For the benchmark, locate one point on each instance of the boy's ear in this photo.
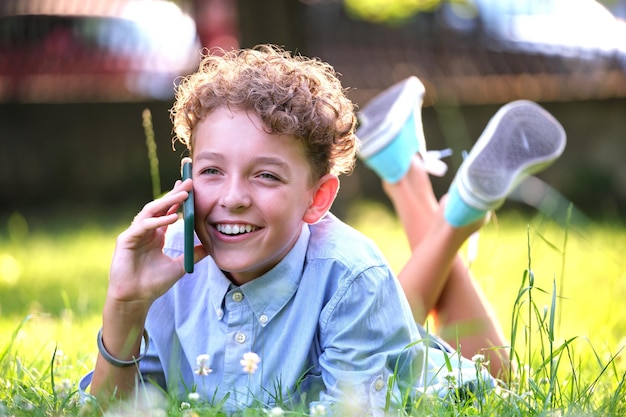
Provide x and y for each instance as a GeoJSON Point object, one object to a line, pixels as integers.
{"type": "Point", "coordinates": [323, 198]}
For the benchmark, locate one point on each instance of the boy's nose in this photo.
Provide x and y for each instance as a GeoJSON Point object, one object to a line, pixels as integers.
{"type": "Point", "coordinates": [235, 195]}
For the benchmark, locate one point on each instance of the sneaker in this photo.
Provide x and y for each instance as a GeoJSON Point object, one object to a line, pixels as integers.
{"type": "Point", "coordinates": [521, 139]}
{"type": "Point", "coordinates": [390, 129]}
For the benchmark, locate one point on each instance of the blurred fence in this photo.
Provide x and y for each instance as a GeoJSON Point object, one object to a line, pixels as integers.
{"type": "Point", "coordinates": [76, 76]}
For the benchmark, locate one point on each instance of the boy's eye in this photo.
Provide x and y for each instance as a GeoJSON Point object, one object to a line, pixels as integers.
{"type": "Point", "coordinates": [268, 176]}
{"type": "Point", "coordinates": [210, 171]}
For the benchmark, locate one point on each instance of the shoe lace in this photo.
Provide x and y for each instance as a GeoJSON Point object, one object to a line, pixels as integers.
{"type": "Point", "coordinates": [433, 161]}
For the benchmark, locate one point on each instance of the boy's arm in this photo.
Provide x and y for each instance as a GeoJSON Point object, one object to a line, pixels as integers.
{"type": "Point", "coordinates": [140, 273]}
{"type": "Point", "coordinates": [365, 338]}
{"type": "Point", "coordinates": [121, 337]}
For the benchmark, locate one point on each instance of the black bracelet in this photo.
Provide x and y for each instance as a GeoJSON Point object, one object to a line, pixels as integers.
{"type": "Point", "coordinates": [117, 362]}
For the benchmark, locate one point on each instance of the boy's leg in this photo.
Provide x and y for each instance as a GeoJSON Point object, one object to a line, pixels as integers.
{"type": "Point", "coordinates": [435, 278]}
{"type": "Point", "coordinates": [435, 275]}
{"type": "Point", "coordinates": [424, 276]}
{"type": "Point", "coordinates": [392, 141]}
{"type": "Point", "coordinates": [521, 139]}
{"type": "Point", "coordinates": [391, 133]}
{"type": "Point", "coordinates": [466, 319]}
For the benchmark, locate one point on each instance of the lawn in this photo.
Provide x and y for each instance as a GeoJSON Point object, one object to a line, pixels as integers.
{"type": "Point", "coordinates": [587, 263]}
{"type": "Point", "coordinates": [53, 278]}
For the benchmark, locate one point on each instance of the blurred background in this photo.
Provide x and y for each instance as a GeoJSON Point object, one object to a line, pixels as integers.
{"type": "Point", "coordinates": [76, 76]}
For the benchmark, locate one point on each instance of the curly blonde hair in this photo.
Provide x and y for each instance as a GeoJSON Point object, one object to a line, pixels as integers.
{"type": "Point", "coordinates": [292, 94]}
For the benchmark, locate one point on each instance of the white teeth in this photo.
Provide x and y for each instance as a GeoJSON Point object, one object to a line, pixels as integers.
{"type": "Point", "coordinates": [234, 229]}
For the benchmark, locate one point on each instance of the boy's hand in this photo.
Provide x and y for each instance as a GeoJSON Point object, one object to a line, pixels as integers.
{"type": "Point", "coordinates": [140, 271]}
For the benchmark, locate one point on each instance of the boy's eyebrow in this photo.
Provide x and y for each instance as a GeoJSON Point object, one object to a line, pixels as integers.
{"type": "Point", "coordinates": [259, 160]}
{"type": "Point", "coordinates": [270, 160]}
{"type": "Point", "coordinates": [209, 155]}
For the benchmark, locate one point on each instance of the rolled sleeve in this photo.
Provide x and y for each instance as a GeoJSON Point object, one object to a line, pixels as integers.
{"type": "Point", "coordinates": [367, 333]}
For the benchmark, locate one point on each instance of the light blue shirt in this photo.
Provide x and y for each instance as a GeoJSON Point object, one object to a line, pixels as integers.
{"type": "Point", "coordinates": [330, 320]}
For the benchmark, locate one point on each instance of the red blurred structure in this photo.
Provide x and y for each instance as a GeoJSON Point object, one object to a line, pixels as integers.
{"type": "Point", "coordinates": [104, 50]}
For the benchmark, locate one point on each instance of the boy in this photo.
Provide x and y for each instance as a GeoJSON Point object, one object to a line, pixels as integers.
{"type": "Point", "coordinates": [279, 282]}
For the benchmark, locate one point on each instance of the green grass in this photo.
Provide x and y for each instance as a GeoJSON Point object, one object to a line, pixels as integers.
{"type": "Point", "coordinates": [588, 265]}
{"type": "Point", "coordinates": [56, 266]}
{"type": "Point", "coordinates": [567, 316]}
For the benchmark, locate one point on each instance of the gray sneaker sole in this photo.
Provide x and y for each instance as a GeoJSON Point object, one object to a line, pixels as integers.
{"type": "Point", "coordinates": [384, 116]}
{"type": "Point", "coordinates": [521, 139]}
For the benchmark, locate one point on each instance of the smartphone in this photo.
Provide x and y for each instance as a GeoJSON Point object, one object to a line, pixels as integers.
{"type": "Point", "coordinates": [188, 218]}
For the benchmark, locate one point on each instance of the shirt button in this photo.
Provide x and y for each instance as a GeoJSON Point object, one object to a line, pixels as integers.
{"type": "Point", "coordinates": [240, 337]}
{"type": "Point", "coordinates": [263, 319]}
{"type": "Point", "coordinates": [379, 384]}
{"type": "Point", "coordinates": [220, 313]}
{"type": "Point", "coordinates": [237, 296]}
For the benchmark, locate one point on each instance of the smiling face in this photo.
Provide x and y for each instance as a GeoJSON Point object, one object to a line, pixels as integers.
{"type": "Point", "coordinates": [253, 191]}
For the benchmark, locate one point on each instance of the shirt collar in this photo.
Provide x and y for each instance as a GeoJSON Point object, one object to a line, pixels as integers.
{"type": "Point", "coordinates": [269, 293]}
{"type": "Point", "coordinates": [219, 286]}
